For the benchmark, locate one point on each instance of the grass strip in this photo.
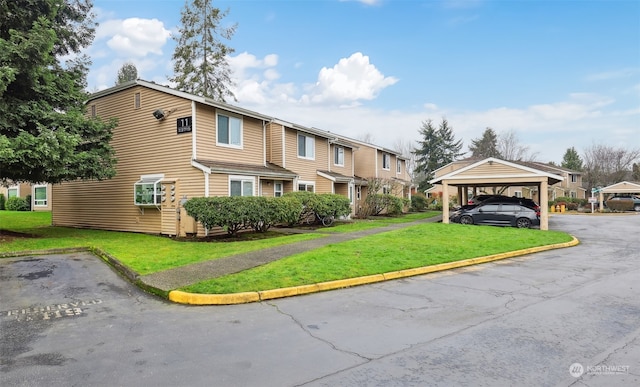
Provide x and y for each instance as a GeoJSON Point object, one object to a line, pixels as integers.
{"type": "Point", "coordinates": [412, 247]}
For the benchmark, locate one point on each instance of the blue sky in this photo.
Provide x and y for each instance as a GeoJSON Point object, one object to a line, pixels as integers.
{"type": "Point", "coordinates": [554, 73]}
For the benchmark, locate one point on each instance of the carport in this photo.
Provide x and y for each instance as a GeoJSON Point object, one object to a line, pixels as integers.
{"type": "Point", "coordinates": [624, 187]}
{"type": "Point", "coordinates": [493, 172]}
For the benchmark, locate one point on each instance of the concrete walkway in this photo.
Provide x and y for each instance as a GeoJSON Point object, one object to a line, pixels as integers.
{"type": "Point", "coordinates": [186, 275]}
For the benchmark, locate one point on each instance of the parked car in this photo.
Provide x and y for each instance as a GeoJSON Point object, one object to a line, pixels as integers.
{"type": "Point", "coordinates": [501, 198]}
{"type": "Point", "coordinates": [497, 214]}
{"type": "Point", "coordinates": [624, 202]}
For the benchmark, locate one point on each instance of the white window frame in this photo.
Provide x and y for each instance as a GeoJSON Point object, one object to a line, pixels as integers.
{"type": "Point", "coordinates": [351, 195]}
{"type": "Point", "coordinates": [156, 190]}
{"type": "Point", "coordinates": [229, 117]}
{"type": "Point", "coordinates": [306, 185]}
{"type": "Point", "coordinates": [309, 146]}
{"type": "Point", "coordinates": [243, 179]}
{"type": "Point", "coordinates": [574, 178]}
{"type": "Point", "coordinates": [358, 192]}
{"type": "Point", "coordinates": [386, 189]}
{"type": "Point", "coordinates": [517, 194]}
{"type": "Point", "coordinates": [398, 166]}
{"type": "Point", "coordinates": [40, 203]}
{"type": "Point", "coordinates": [386, 160]}
{"type": "Point", "coordinates": [14, 188]}
{"type": "Point", "coordinates": [338, 156]}
{"type": "Point", "coordinates": [278, 192]}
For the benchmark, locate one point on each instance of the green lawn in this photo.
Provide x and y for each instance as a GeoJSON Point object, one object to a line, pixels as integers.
{"type": "Point", "coordinates": [411, 247]}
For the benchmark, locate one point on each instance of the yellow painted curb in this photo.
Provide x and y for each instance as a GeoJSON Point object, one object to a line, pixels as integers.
{"type": "Point", "coordinates": [242, 298]}
{"type": "Point", "coordinates": [213, 299]}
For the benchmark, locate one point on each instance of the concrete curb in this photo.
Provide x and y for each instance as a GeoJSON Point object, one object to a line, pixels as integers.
{"type": "Point", "coordinates": [181, 297]}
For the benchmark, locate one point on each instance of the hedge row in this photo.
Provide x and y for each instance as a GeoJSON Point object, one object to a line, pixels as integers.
{"type": "Point", "coordinates": [259, 213]}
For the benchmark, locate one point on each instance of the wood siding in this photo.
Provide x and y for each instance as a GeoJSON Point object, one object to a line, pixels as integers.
{"type": "Point", "coordinates": [305, 168]}
{"type": "Point", "coordinates": [143, 146]}
{"type": "Point", "coordinates": [365, 162]}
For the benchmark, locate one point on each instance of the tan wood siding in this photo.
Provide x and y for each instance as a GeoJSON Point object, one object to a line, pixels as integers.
{"type": "Point", "coordinates": [276, 155]}
{"type": "Point", "coordinates": [323, 185]}
{"type": "Point", "coordinates": [495, 169]}
{"type": "Point", "coordinates": [143, 146]}
{"type": "Point", "coordinates": [345, 169]}
{"type": "Point", "coordinates": [305, 168]}
{"type": "Point", "coordinates": [365, 162]}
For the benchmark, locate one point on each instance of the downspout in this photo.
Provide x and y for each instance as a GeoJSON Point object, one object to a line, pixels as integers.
{"type": "Point", "coordinates": [193, 130]}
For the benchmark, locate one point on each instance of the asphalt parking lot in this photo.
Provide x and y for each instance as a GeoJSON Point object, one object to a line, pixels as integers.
{"type": "Point", "coordinates": [568, 317]}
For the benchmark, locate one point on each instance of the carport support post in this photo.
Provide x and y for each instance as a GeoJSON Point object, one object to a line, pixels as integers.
{"type": "Point", "coordinates": [544, 205]}
{"type": "Point", "coordinates": [445, 202]}
{"type": "Point", "coordinates": [460, 195]}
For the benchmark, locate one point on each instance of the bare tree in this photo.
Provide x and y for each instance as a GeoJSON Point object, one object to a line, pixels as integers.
{"type": "Point", "coordinates": [605, 165]}
{"type": "Point", "coordinates": [511, 149]}
{"type": "Point", "coordinates": [407, 149]}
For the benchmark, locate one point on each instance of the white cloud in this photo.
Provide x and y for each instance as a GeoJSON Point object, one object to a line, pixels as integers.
{"type": "Point", "coordinates": [134, 37]}
{"type": "Point", "coordinates": [614, 74]}
{"type": "Point", "coordinates": [349, 81]}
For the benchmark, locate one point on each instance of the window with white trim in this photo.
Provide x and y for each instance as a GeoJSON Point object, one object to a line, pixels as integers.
{"type": "Point", "coordinates": [358, 192]}
{"type": "Point", "coordinates": [277, 189]}
{"type": "Point", "coordinates": [517, 194]}
{"type": "Point", "coordinates": [573, 194]}
{"type": "Point", "coordinates": [386, 161]}
{"type": "Point", "coordinates": [40, 195]}
{"type": "Point", "coordinates": [12, 192]}
{"type": "Point", "coordinates": [398, 166]}
{"type": "Point", "coordinates": [386, 190]}
{"type": "Point", "coordinates": [309, 187]}
{"type": "Point", "coordinates": [306, 146]}
{"type": "Point", "coordinates": [148, 191]}
{"type": "Point", "coordinates": [574, 178]}
{"type": "Point", "coordinates": [229, 131]}
{"type": "Point", "coordinates": [350, 193]}
{"type": "Point", "coordinates": [241, 185]}
{"type": "Point", "coordinates": [338, 155]}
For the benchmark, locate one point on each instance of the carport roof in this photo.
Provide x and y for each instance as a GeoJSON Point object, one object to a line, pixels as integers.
{"type": "Point", "coordinates": [622, 187]}
{"type": "Point", "coordinates": [496, 172]}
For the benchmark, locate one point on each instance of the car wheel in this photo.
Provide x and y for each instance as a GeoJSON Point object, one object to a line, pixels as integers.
{"type": "Point", "coordinates": [636, 208]}
{"type": "Point", "coordinates": [466, 219]}
{"type": "Point", "coordinates": [523, 223]}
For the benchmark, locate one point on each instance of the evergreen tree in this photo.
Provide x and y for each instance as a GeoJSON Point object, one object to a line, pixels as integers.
{"type": "Point", "coordinates": [200, 58]}
{"type": "Point", "coordinates": [571, 160]}
{"type": "Point", "coordinates": [128, 72]}
{"type": "Point", "coordinates": [437, 148]}
{"type": "Point", "coordinates": [44, 133]}
{"type": "Point", "coordinates": [486, 146]}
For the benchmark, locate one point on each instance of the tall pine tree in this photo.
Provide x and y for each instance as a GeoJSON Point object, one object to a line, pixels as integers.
{"type": "Point", "coordinates": [44, 133]}
{"type": "Point", "coordinates": [200, 63]}
{"type": "Point", "coordinates": [485, 146]}
{"type": "Point", "coordinates": [571, 160]}
{"type": "Point", "coordinates": [437, 148]}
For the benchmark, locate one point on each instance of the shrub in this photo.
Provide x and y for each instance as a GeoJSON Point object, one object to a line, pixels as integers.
{"type": "Point", "coordinates": [17, 204]}
{"type": "Point", "coordinates": [320, 205]}
{"type": "Point", "coordinates": [2, 202]}
{"type": "Point", "coordinates": [620, 205]}
{"type": "Point", "coordinates": [418, 202]}
{"type": "Point", "coordinates": [236, 213]}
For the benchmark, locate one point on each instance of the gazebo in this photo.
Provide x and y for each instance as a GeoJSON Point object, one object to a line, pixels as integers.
{"type": "Point", "coordinates": [624, 187]}
{"type": "Point", "coordinates": [493, 172]}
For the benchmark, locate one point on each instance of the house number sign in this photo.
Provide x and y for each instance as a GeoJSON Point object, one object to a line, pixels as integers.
{"type": "Point", "coordinates": [183, 125]}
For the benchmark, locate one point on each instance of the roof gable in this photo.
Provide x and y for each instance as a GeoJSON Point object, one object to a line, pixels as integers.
{"type": "Point", "coordinates": [622, 187]}
{"type": "Point", "coordinates": [497, 169]}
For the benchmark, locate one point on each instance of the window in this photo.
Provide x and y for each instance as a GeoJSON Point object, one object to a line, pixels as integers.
{"type": "Point", "coordinates": [229, 131]}
{"type": "Point", "coordinates": [148, 190]}
{"type": "Point", "coordinates": [241, 185]}
{"type": "Point", "coordinates": [93, 111]}
{"type": "Point", "coordinates": [277, 189]}
{"type": "Point", "coordinates": [136, 101]}
{"type": "Point", "coordinates": [12, 192]}
{"type": "Point", "coordinates": [398, 166]}
{"type": "Point", "coordinates": [350, 193]}
{"type": "Point", "coordinates": [573, 194]}
{"type": "Point", "coordinates": [40, 195]}
{"type": "Point", "coordinates": [386, 161]}
{"type": "Point", "coordinates": [306, 146]}
{"type": "Point", "coordinates": [310, 187]}
{"type": "Point", "coordinates": [574, 178]}
{"type": "Point", "coordinates": [358, 192]}
{"type": "Point", "coordinates": [386, 190]}
{"type": "Point", "coordinates": [338, 155]}
{"type": "Point", "coordinates": [517, 194]}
